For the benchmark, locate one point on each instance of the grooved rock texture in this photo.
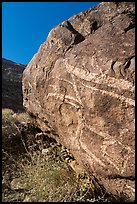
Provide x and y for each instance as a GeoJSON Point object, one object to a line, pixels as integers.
{"type": "Point", "coordinates": [12, 85]}
{"type": "Point", "coordinates": [80, 85]}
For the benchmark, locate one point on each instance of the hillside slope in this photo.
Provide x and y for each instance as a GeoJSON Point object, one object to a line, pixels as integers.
{"type": "Point", "coordinates": [12, 85]}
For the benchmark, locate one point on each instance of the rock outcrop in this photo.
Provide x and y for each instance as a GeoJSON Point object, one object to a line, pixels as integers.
{"type": "Point", "coordinates": [12, 85]}
{"type": "Point", "coordinates": [80, 86]}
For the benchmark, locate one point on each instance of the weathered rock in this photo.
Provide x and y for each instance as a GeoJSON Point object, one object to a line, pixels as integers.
{"type": "Point", "coordinates": [12, 85]}
{"type": "Point", "coordinates": [80, 85]}
{"type": "Point", "coordinates": [17, 184]}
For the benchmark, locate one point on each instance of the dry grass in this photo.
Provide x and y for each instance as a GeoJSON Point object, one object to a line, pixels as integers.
{"type": "Point", "coordinates": [28, 175]}
{"type": "Point", "coordinates": [31, 176]}
{"type": "Point", "coordinates": [8, 115]}
{"type": "Point", "coordinates": [48, 181]}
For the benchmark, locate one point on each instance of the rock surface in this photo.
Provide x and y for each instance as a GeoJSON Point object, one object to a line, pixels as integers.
{"type": "Point", "coordinates": [80, 86]}
{"type": "Point", "coordinates": [12, 85]}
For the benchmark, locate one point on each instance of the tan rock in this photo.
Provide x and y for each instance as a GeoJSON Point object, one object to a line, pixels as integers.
{"type": "Point", "coordinates": [17, 183]}
{"type": "Point", "coordinates": [82, 89]}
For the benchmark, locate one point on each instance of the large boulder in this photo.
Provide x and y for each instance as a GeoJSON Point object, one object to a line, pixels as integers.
{"type": "Point", "coordinates": [80, 86]}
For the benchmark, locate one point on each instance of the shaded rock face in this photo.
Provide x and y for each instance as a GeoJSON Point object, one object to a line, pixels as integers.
{"type": "Point", "coordinates": [12, 85]}
{"type": "Point", "coordinates": [80, 85]}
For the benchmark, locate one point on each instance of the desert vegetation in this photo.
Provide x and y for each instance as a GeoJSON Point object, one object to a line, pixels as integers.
{"type": "Point", "coordinates": [28, 174]}
{"type": "Point", "coordinates": [35, 171]}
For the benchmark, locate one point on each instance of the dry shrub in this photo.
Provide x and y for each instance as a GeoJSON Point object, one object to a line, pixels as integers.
{"type": "Point", "coordinates": [7, 115]}
{"type": "Point", "coordinates": [48, 180]}
{"type": "Point", "coordinates": [42, 178]}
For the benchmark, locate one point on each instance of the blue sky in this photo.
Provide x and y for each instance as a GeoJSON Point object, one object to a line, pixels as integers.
{"type": "Point", "coordinates": [25, 25]}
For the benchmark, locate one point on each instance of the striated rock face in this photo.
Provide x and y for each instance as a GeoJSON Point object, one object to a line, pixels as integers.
{"type": "Point", "coordinates": [80, 85]}
{"type": "Point", "coordinates": [12, 85]}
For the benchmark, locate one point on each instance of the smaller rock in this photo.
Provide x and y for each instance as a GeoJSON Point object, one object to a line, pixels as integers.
{"type": "Point", "coordinates": [17, 183]}
{"type": "Point", "coordinates": [45, 151]}
{"type": "Point", "coordinates": [27, 199]}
